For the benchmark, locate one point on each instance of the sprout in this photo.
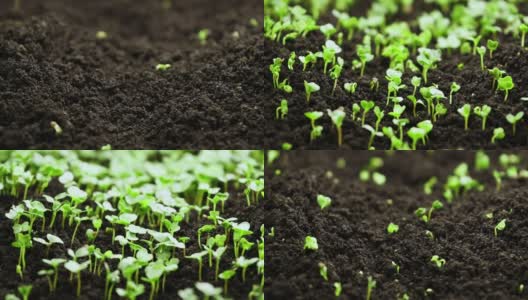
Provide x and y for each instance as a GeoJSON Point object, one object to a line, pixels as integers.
{"type": "Point", "coordinates": [310, 243]}
{"type": "Point", "coordinates": [198, 257]}
{"type": "Point", "coordinates": [25, 290]}
{"type": "Point", "coordinates": [328, 30]}
{"type": "Point", "coordinates": [392, 228]}
{"type": "Point", "coordinates": [330, 49]}
{"type": "Point", "coordinates": [316, 130]}
{"type": "Point", "coordinates": [351, 87]}
{"type": "Point", "coordinates": [454, 88]}
{"type": "Point", "coordinates": [203, 35]}
{"type": "Point", "coordinates": [275, 69]}
{"type": "Point", "coordinates": [514, 119]}
{"type": "Point", "coordinates": [323, 201]}
{"type": "Point", "coordinates": [500, 226]}
{"type": "Point", "coordinates": [497, 74]}
{"type": "Point", "coordinates": [483, 113]}
{"type": "Point", "coordinates": [427, 126]}
{"type": "Point", "coordinates": [492, 46]}
{"type": "Point", "coordinates": [153, 273]}
{"type": "Point", "coordinates": [415, 134]}
{"type": "Point", "coordinates": [162, 67]}
{"type": "Point", "coordinates": [374, 84]}
{"type": "Point", "coordinates": [428, 58]}
{"type": "Point", "coordinates": [425, 214]}
{"type": "Point", "coordinates": [370, 286]}
{"type": "Point", "coordinates": [396, 267]}
{"type": "Point", "coordinates": [101, 35]}
{"type": "Point", "coordinates": [218, 256]}
{"type": "Point", "coordinates": [355, 110]}
{"type": "Point", "coordinates": [465, 111]}
{"type": "Point", "coordinates": [310, 87]}
{"type": "Point", "coordinates": [310, 58]}
{"type": "Point", "coordinates": [380, 114]}
{"type": "Point", "coordinates": [416, 82]}
{"type": "Point", "coordinates": [394, 79]}
{"type": "Point", "coordinates": [373, 134]}
{"type": "Point", "coordinates": [336, 72]}
{"type": "Point", "coordinates": [365, 55]}
{"type": "Point", "coordinates": [282, 110]}
{"type": "Point", "coordinates": [323, 270]}
{"type": "Point", "coordinates": [291, 60]}
{"type": "Point", "coordinates": [56, 127]}
{"type": "Point", "coordinates": [338, 289]}
{"type": "Point", "coordinates": [506, 84]}
{"type": "Point", "coordinates": [438, 261]}
{"type": "Point", "coordinates": [22, 241]}
{"type": "Point", "coordinates": [498, 134]}
{"type": "Point", "coordinates": [244, 263]}
{"type": "Point", "coordinates": [208, 290]}
{"type": "Point", "coordinates": [226, 275]}
{"type": "Point", "coordinates": [337, 117]}
{"type": "Point", "coordinates": [481, 52]}
{"type": "Point", "coordinates": [76, 268]}
{"type": "Point", "coordinates": [54, 263]}
{"type": "Point", "coordinates": [51, 239]}
{"type": "Point", "coordinates": [482, 161]}
{"type": "Point", "coordinates": [131, 291]}
{"type": "Point", "coordinates": [524, 29]}
{"type": "Point", "coordinates": [367, 106]}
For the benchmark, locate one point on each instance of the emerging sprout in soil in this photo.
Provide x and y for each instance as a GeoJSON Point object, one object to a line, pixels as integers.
{"type": "Point", "coordinates": [367, 106]}
{"type": "Point", "coordinates": [328, 30]}
{"type": "Point", "coordinates": [76, 268]}
{"type": "Point", "coordinates": [396, 267]}
{"type": "Point", "coordinates": [514, 119]}
{"type": "Point", "coordinates": [226, 275]}
{"type": "Point", "coordinates": [310, 243]}
{"type": "Point", "coordinates": [51, 239]}
{"type": "Point", "coordinates": [416, 134]}
{"type": "Point", "coordinates": [350, 87]}
{"type": "Point", "coordinates": [309, 88]}
{"type": "Point", "coordinates": [101, 35]}
{"type": "Point", "coordinates": [438, 261]}
{"type": "Point", "coordinates": [524, 29]}
{"type": "Point", "coordinates": [425, 214]}
{"type": "Point", "coordinates": [275, 69]}
{"type": "Point", "coordinates": [323, 270]}
{"type": "Point", "coordinates": [282, 110]}
{"type": "Point", "coordinates": [355, 110]}
{"type": "Point", "coordinates": [244, 263]}
{"type": "Point", "coordinates": [373, 134]}
{"type": "Point", "coordinates": [338, 289]}
{"type": "Point", "coordinates": [203, 35]}
{"type": "Point", "coordinates": [25, 290]}
{"type": "Point", "coordinates": [481, 52]}
{"type": "Point", "coordinates": [482, 161]}
{"type": "Point", "coordinates": [198, 257]}
{"type": "Point", "coordinates": [54, 263]}
{"type": "Point", "coordinates": [428, 58]}
{"type": "Point", "coordinates": [454, 88]}
{"type": "Point", "coordinates": [370, 287]}
{"type": "Point", "coordinates": [335, 72]}
{"type": "Point", "coordinates": [492, 46]}
{"type": "Point", "coordinates": [506, 84]}
{"type": "Point", "coordinates": [365, 56]}
{"type": "Point", "coordinates": [338, 116]}
{"type": "Point", "coordinates": [497, 74]}
{"type": "Point", "coordinates": [416, 82]}
{"type": "Point", "coordinates": [291, 60]}
{"type": "Point", "coordinates": [323, 201]}
{"type": "Point", "coordinates": [500, 226]}
{"type": "Point", "coordinates": [131, 291]}
{"type": "Point", "coordinates": [483, 113]}
{"type": "Point", "coordinates": [316, 130]}
{"type": "Point", "coordinates": [392, 228]}
{"type": "Point", "coordinates": [465, 112]}
{"type": "Point", "coordinates": [56, 127]}
{"type": "Point", "coordinates": [498, 134]}
{"type": "Point", "coordinates": [162, 67]}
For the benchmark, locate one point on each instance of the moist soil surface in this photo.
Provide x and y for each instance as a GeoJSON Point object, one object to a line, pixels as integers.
{"type": "Point", "coordinates": [93, 286]}
{"type": "Point", "coordinates": [53, 68]}
{"type": "Point", "coordinates": [448, 133]}
{"type": "Point", "coordinates": [353, 239]}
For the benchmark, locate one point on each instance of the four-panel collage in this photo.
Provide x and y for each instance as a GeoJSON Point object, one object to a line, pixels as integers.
{"type": "Point", "coordinates": [263, 149]}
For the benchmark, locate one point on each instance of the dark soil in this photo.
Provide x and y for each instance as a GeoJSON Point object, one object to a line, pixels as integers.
{"type": "Point", "coordinates": [52, 68]}
{"type": "Point", "coordinates": [448, 132]}
{"type": "Point", "coordinates": [92, 285]}
{"type": "Point", "coordinates": [352, 234]}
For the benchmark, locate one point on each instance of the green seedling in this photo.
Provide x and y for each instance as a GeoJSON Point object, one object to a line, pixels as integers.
{"type": "Point", "coordinates": [309, 88]}
{"type": "Point", "coordinates": [514, 119]}
{"type": "Point", "coordinates": [428, 59]}
{"type": "Point", "coordinates": [416, 134]}
{"type": "Point", "coordinates": [51, 239]}
{"type": "Point", "coordinates": [506, 84]}
{"type": "Point", "coordinates": [373, 134]}
{"type": "Point", "coordinates": [355, 111]}
{"type": "Point", "coordinates": [371, 285]}
{"type": "Point", "coordinates": [330, 49]}
{"type": "Point", "coordinates": [226, 275]}
{"type": "Point", "coordinates": [275, 69]}
{"type": "Point", "coordinates": [22, 241]}
{"type": "Point", "coordinates": [291, 60]}
{"type": "Point", "coordinates": [482, 112]}
{"type": "Point", "coordinates": [25, 290]}
{"type": "Point", "coordinates": [323, 201]}
{"type": "Point", "coordinates": [482, 161]}
{"type": "Point", "coordinates": [203, 35]}
{"type": "Point", "coordinates": [162, 67]}
{"type": "Point", "coordinates": [56, 127]}
{"type": "Point", "coordinates": [310, 243]}
{"type": "Point", "coordinates": [492, 47]}
{"type": "Point", "coordinates": [282, 110]}
{"type": "Point", "coordinates": [316, 130]}
{"type": "Point", "coordinates": [429, 185]}
{"type": "Point", "coordinates": [396, 267]}
{"type": "Point", "coordinates": [524, 29]}
{"type": "Point", "coordinates": [465, 112]}
{"type": "Point", "coordinates": [497, 74]}
{"type": "Point", "coordinates": [392, 228]}
{"type": "Point", "coordinates": [481, 52]}
{"type": "Point", "coordinates": [338, 116]}
{"type": "Point", "coordinates": [367, 106]}
{"type": "Point", "coordinates": [153, 273]}
{"type": "Point", "coordinates": [416, 82]}
{"type": "Point", "coordinates": [199, 258]}
{"type": "Point", "coordinates": [338, 289]}
{"type": "Point", "coordinates": [438, 261]}
{"type": "Point", "coordinates": [323, 270]}
{"type": "Point", "coordinates": [131, 291]}
{"type": "Point", "coordinates": [374, 84]}
{"type": "Point", "coordinates": [425, 214]}
{"type": "Point", "coordinates": [498, 134]}
{"type": "Point", "coordinates": [218, 256]}
{"type": "Point", "coordinates": [244, 263]}
{"type": "Point", "coordinates": [454, 88]}
{"type": "Point", "coordinates": [54, 263]}
{"type": "Point", "coordinates": [76, 268]}
{"type": "Point", "coordinates": [380, 114]}
{"type": "Point", "coordinates": [310, 58]}
{"type": "Point", "coordinates": [208, 290]}
{"type": "Point", "coordinates": [328, 30]}
{"type": "Point", "coordinates": [350, 87]}
{"type": "Point", "coordinates": [427, 126]}
{"type": "Point", "coordinates": [335, 72]}
{"type": "Point", "coordinates": [500, 227]}
{"type": "Point", "coordinates": [365, 56]}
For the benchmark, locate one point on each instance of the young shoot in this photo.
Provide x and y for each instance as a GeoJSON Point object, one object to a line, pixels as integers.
{"type": "Point", "coordinates": [365, 56]}
{"type": "Point", "coordinates": [338, 289]}
{"type": "Point", "coordinates": [316, 130]}
{"type": "Point", "coordinates": [323, 201]}
{"type": "Point", "coordinates": [282, 110]}
{"type": "Point", "coordinates": [465, 112]}
{"type": "Point", "coordinates": [350, 87]}
{"type": "Point", "coordinates": [481, 52]}
{"type": "Point", "coordinates": [367, 106]}
{"type": "Point", "coordinates": [506, 84]}
{"type": "Point", "coordinates": [310, 87]}
{"type": "Point", "coordinates": [492, 46]}
{"type": "Point", "coordinates": [244, 263]}
{"type": "Point", "coordinates": [203, 35]}
{"type": "Point", "coordinates": [338, 116]}
{"type": "Point", "coordinates": [438, 261]}
{"type": "Point", "coordinates": [425, 214]}
{"type": "Point", "coordinates": [454, 88]}
{"type": "Point", "coordinates": [392, 228]}
{"type": "Point", "coordinates": [323, 270]}
{"type": "Point", "coordinates": [226, 275]}
{"type": "Point", "coordinates": [514, 119]}
{"type": "Point", "coordinates": [524, 29]}
{"type": "Point", "coordinates": [428, 58]}
{"type": "Point", "coordinates": [371, 285]}
{"type": "Point", "coordinates": [483, 113]}
{"type": "Point", "coordinates": [25, 290]}
{"type": "Point", "coordinates": [500, 227]}
{"type": "Point", "coordinates": [162, 67]}
{"type": "Point", "coordinates": [310, 243]}
{"type": "Point", "coordinates": [198, 257]}
{"type": "Point", "coordinates": [497, 74]}
{"type": "Point", "coordinates": [56, 127]}
{"type": "Point", "coordinates": [416, 134]}
{"type": "Point", "coordinates": [498, 134]}
{"type": "Point", "coordinates": [51, 239]}
{"type": "Point", "coordinates": [76, 268]}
